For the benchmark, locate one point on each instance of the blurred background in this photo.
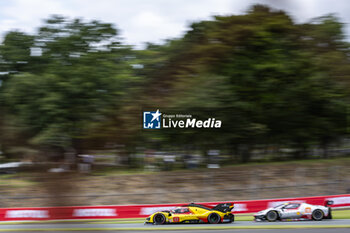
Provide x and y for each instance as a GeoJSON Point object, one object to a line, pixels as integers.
{"type": "Point", "coordinates": [73, 88]}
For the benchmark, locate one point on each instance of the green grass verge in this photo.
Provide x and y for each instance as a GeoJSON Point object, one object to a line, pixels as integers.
{"type": "Point", "coordinates": [337, 214]}
{"type": "Point", "coordinates": [341, 214]}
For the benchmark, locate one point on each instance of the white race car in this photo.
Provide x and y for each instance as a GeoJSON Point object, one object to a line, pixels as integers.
{"type": "Point", "coordinates": [295, 210]}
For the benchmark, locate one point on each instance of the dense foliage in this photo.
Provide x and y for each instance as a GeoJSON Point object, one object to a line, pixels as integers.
{"type": "Point", "coordinates": [74, 86]}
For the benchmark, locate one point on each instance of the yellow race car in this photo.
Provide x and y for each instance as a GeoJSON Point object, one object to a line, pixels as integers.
{"type": "Point", "coordinates": [194, 213]}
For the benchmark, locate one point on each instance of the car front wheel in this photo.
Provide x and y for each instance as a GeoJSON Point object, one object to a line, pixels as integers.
{"type": "Point", "coordinates": [159, 219]}
{"type": "Point", "coordinates": [272, 216]}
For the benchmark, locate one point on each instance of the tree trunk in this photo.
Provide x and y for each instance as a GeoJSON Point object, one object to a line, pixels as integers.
{"type": "Point", "coordinates": [325, 150]}
{"type": "Point", "coordinates": [246, 154]}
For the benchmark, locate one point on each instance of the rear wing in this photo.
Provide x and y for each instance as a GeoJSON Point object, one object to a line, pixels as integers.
{"type": "Point", "coordinates": [224, 207]}
{"type": "Point", "coordinates": [328, 203]}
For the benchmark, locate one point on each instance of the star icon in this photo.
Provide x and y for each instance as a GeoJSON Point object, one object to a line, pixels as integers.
{"type": "Point", "coordinates": [156, 115]}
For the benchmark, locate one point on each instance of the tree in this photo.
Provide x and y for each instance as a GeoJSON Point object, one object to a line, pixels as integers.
{"type": "Point", "coordinates": [267, 75]}
{"type": "Point", "coordinates": [269, 79]}
{"type": "Point", "coordinates": [80, 77]}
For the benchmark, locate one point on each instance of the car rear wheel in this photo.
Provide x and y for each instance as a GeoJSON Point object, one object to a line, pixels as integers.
{"type": "Point", "coordinates": [213, 218]}
{"type": "Point", "coordinates": [159, 219]}
{"type": "Point", "coordinates": [272, 216]}
{"type": "Point", "coordinates": [317, 215]}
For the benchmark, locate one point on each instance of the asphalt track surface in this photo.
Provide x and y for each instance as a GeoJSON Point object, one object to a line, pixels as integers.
{"type": "Point", "coordinates": [336, 226]}
{"type": "Point", "coordinates": [334, 230]}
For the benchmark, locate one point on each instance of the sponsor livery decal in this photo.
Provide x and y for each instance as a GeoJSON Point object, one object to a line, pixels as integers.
{"type": "Point", "coordinates": [27, 214]}
{"type": "Point", "coordinates": [239, 208]}
{"type": "Point", "coordinates": [340, 200]}
{"type": "Point", "coordinates": [139, 211]}
{"type": "Point", "coordinates": [152, 210]}
{"type": "Point", "coordinates": [94, 212]}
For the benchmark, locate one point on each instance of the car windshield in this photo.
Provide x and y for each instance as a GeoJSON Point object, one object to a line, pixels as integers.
{"type": "Point", "coordinates": [292, 206]}
{"type": "Point", "coordinates": [180, 210]}
{"type": "Point", "coordinates": [279, 206]}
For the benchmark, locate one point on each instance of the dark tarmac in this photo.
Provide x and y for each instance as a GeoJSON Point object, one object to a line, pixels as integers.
{"type": "Point", "coordinates": [329, 226]}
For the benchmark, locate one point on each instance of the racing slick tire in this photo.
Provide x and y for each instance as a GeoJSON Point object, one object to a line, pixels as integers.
{"type": "Point", "coordinates": [159, 219]}
{"type": "Point", "coordinates": [214, 218]}
{"type": "Point", "coordinates": [329, 214]}
{"type": "Point", "coordinates": [317, 215]}
{"type": "Point", "coordinates": [272, 216]}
